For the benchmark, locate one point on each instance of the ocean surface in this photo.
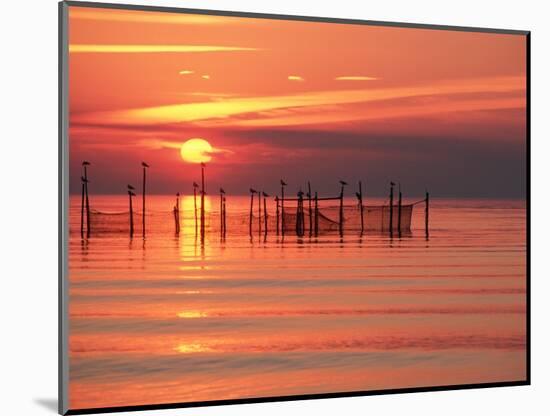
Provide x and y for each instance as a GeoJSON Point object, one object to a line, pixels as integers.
{"type": "Point", "coordinates": [176, 318]}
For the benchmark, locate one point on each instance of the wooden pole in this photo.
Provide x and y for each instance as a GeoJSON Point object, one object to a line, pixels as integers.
{"type": "Point", "coordinates": [175, 210]}
{"type": "Point", "coordinates": [309, 207]}
{"type": "Point", "coordinates": [399, 212]}
{"type": "Point", "coordinates": [391, 208]}
{"type": "Point", "coordinates": [251, 208]}
{"type": "Point", "coordinates": [303, 221]}
{"type": "Point", "coordinates": [176, 214]}
{"type": "Point", "coordinates": [316, 215]}
{"type": "Point", "coordinates": [427, 213]}
{"type": "Point", "coordinates": [131, 214]}
{"type": "Point", "coordinates": [277, 204]}
{"type": "Point", "coordinates": [82, 213]}
{"type": "Point", "coordinates": [203, 192]}
{"type": "Point", "coordinates": [84, 201]}
{"type": "Point", "coordinates": [259, 212]}
{"type": "Point", "coordinates": [282, 209]}
{"type": "Point", "coordinates": [195, 205]}
{"type": "Point", "coordinates": [221, 214]}
{"type": "Point", "coordinates": [87, 201]}
{"type": "Point", "coordinates": [265, 216]}
{"type": "Point", "coordinates": [87, 211]}
{"type": "Point", "coordinates": [342, 210]}
{"type": "Point", "coordinates": [143, 199]}
{"type": "Point", "coordinates": [224, 217]}
{"type": "Point", "coordinates": [178, 211]}
{"type": "Point", "coordinates": [300, 215]}
{"type": "Point", "coordinates": [361, 205]}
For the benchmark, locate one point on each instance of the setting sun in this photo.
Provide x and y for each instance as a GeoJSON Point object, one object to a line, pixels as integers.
{"type": "Point", "coordinates": [196, 151]}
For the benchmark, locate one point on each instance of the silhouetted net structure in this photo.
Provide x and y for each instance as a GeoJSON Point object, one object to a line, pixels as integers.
{"type": "Point", "coordinates": [161, 222]}
{"type": "Point", "coordinates": [119, 222]}
{"type": "Point", "coordinates": [298, 218]}
{"type": "Point", "coordinates": [374, 218]}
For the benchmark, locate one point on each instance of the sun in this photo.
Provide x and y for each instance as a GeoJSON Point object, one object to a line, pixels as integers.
{"type": "Point", "coordinates": [196, 151]}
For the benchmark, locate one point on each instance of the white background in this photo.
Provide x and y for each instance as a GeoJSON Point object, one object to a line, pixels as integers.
{"type": "Point", "coordinates": [28, 205]}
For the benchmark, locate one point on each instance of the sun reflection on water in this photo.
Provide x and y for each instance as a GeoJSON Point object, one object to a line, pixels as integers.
{"type": "Point", "coordinates": [190, 348]}
{"type": "Point", "coordinates": [193, 292]}
{"type": "Point", "coordinates": [192, 314]}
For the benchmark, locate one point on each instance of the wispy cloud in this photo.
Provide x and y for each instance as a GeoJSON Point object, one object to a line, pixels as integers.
{"type": "Point", "coordinates": [311, 106]}
{"type": "Point", "coordinates": [295, 78]}
{"type": "Point", "coordinates": [156, 144]}
{"type": "Point", "coordinates": [186, 72]}
{"type": "Point", "coordinates": [148, 17]}
{"type": "Point", "coordinates": [213, 95]}
{"type": "Point", "coordinates": [122, 48]}
{"type": "Point", "coordinates": [319, 116]}
{"type": "Point", "coordinates": [205, 77]}
{"type": "Point", "coordinates": [355, 78]}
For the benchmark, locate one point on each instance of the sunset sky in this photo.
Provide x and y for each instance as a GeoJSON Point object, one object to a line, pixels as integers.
{"type": "Point", "coordinates": [295, 100]}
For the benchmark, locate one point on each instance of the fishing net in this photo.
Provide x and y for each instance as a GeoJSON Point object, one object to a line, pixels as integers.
{"type": "Point", "coordinates": [119, 222]}
{"type": "Point", "coordinates": [374, 218]}
{"type": "Point", "coordinates": [161, 222]}
{"type": "Point", "coordinates": [303, 220]}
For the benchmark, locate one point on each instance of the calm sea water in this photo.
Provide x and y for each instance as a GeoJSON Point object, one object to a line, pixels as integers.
{"type": "Point", "coordinates": [170, 319]}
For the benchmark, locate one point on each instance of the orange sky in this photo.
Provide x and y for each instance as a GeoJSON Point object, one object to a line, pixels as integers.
{"type": "Point", "coordinates": [303, 100]}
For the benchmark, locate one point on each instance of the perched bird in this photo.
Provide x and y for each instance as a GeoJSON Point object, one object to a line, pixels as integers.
{"type": "Point", "coordinates": [130, 187]}
{"type": "Point", "coordinates": [265, 195]}
{"type": "Point", "coordinates": [222, 191]}
{"type": "Point", "coordinates": [131, 193]}
{"type": "Point", "coordinates": [145, 165]}
{"type": "Point", "coordinates": [85, 163]}
{"type": "Point", "coordinates": [343, 183]}
{"type": "Point", "coordinates": [283, 183]}
{"type": "Point", "coordinates": [358, 195]}
{"type": "Point", "coordinates": [300, 194]}
{"type": "Point", "coordinates": [83, 179]}
{"type": "Point", "coordinates": [392, 184]}
{"type": "Point", "coordinates": [178, 194]}
{"type": "Point", "coordinates": [253, 191]}
{"type": "Point", "coordinates": [195, 185]}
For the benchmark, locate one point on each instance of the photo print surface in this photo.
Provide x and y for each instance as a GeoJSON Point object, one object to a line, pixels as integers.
{"type": "Point", "coordinates": [267, 208]}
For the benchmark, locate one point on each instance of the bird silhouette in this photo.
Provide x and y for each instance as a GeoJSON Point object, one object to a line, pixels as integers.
{"type": "Point", "coordinates": [131, 193]}
{"type": "Point", "coordinates": [283, 183]}
{"type": "Point", "coordinates": [300, 193]}
{"type": "Point", "coordinates": [84, 179]}
{"type": "Point", "coordinates": [130, 187]}
{"type": "Point", "coordinates": [86, 163]}
{"type": "Point", "coordinates": [343, 183]}
{"type": "Point", "coordinates": [222, 191]}
{"type": "Point", "coordinates": [253, 191]}
{"type": "Point", "coordinates": [178, 194]}
{"type": "Point", "coordinates": [145, 165]}
{"type": "Point", "coordinates": [392, 184]}
{"type": "Point", "coordinates": [264, 194]}
{"type": "Point", "coordinates": [195, 185]}
{"type": "Point", "coordinates": [358, 195]}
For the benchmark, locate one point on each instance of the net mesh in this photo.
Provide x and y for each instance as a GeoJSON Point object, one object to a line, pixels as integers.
{"type": "Point", "coordinates": [375, 218]}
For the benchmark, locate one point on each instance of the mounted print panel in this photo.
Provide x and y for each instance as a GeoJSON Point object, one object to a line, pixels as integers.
{"type": "Point", "coordinates": [262, 208]}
